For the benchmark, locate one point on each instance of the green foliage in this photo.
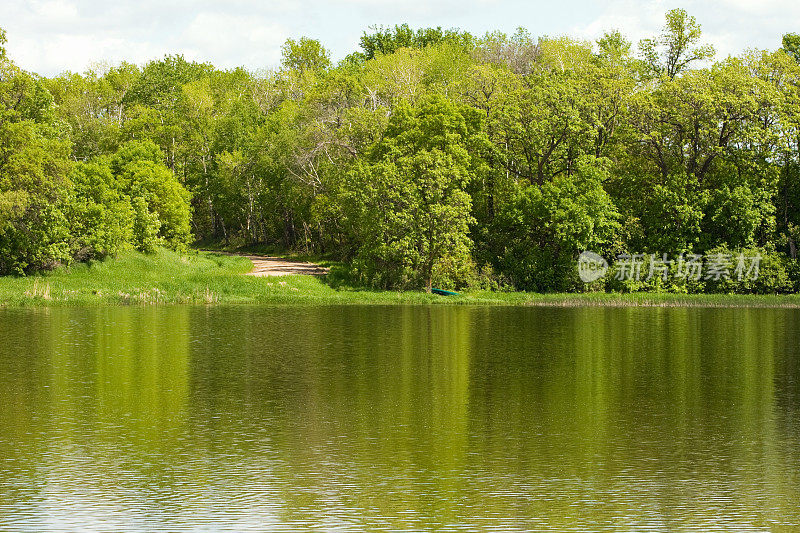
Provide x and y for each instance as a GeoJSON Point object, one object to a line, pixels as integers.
{"type": "Point", "coordinates": [429, 158]}
{"type": "Point", "coordinates": [101, 216]}
{"type": "Point", "coordinates": [677, 47]}
{"type": "Point", "coordinates": [166, 199]}
{"type": "Point", "coordinates": [613, 45]}
{"type": "Point", "coordinates": [735, 215]}
{"type": "Point", "coordinates": [53, 211]}
{"type": "Point", "coordinates": [774, 275]}
{"type": "Point", "coordinates": [304, 55]}
{"type": "Point", "coordinates": [34, 189]}
{"type": "Point", "coordinates": [409, 202]}
{"type": "Point", "coordinates": [142, 177]}
{"type": "Point", "coordinates": [518, 52]}
{"type": "Point", "coordinates": [547, 226]}
{"type": "Point", "coordinates": [387, 40]}
{"type": "Point", "coordinates": [146, 226]}
{"type": "Point", "coordinates": [668, 218]}
{"type": "Point", "coordinates": [92, 106]}
{"type": "Point", "coordinates": [160, 82]}
{"type": "Point", "coordinates": [166, 277]}
{"type": "Point", "coordinates": [791, 45]}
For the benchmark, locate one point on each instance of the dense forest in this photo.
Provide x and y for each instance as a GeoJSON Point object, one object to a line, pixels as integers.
{"type": "Point", "coordinates": [430, 156]}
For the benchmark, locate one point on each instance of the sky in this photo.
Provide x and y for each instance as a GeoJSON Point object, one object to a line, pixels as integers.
{"type": "Point", "coordinates": [52, 36]}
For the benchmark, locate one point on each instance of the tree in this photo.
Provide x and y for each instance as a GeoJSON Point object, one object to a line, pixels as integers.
{"type": "Point", "coordinates": [668, 219]}
{"type": "Point", "coordinates": [160, 82]}
{"type": "Point", "coordinates": [540, 234]}
{"type": "Point", "coordinates": [677, 47]}
{"type": "Point", "coordinates": [685, 125]}
{"type": "Point", "coordinates": [141, 173]}
{"type": "Point", "coordinates": [93, 106]}
{"type": "Point", "coordinates": [409, 199]}
{"type": "Point", "coordinates": [421, 160]}
{"type": "Point", "coordinates": [545, 128]}
{"type": "Point", "coordinates": [34, 190]}
{"type": "Point", "coordinates": [101, 217]}
{"type": "Point", "coordinates": [614, 46]}
{"type": "Point", "coordinates": [791, 45]}
{"type": "Point", "coordinates": [387, 40]}
{"type": "Point", "coordinates": [488, 88]}
{"type": "Point", "coordinates": [154, 104]}
{"type": "Point", "coordinates": [304, 55]}
{"type": "Point", "coordinates": [34, 164]}
{"type": "Point", "coordinates": [517, 52]}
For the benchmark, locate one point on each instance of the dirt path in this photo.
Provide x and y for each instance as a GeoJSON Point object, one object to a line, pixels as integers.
{"type": "Point", "coordinates": [275, 266]}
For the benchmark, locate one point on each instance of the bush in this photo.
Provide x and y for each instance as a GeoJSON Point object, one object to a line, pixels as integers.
{"type": "Point", "coordinates": [774, 274]}
{"type": "Point", "coordinates": [141, 174]}
{"type": "Point", "coordinates": [544, 229]}
{"type": "Point", "coordinates": [101, 219]}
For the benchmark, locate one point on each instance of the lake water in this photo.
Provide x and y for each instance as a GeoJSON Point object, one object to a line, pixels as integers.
{"type": "Point", "coordinates": [354, 418]}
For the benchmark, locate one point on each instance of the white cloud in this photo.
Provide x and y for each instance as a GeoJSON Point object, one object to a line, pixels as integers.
{"type": "Point", "coordinates": [732, 26]}
{"type": "Point", "coordinates": [57, 10]}
{"type": "Point", "coordinates": [233, 40]}
{"type": "Point", "coordinates": [49, 36]}
{"type": "Point", "coordinates": [635, 20]}
{"type": "Point", "coordinates": [76, 52]}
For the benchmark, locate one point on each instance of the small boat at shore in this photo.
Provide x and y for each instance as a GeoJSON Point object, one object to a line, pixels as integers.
{"type": "Point", "coordinates": [442, 292]}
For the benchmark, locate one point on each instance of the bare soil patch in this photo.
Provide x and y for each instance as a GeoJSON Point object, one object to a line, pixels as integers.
{"type": "Point", "coordinates": [277, 266]}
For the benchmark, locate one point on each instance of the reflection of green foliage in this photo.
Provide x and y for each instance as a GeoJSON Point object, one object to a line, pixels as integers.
{"type": "Point", "coordinates": [142, 375]}
{"type": "Point", "coordinates": [402, 417]}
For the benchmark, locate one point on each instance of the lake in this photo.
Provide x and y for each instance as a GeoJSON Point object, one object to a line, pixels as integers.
{"type": "Point", "coordinates": [350, 418]}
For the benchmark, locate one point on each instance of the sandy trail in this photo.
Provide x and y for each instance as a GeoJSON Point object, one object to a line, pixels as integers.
{"type": "Point", "coordinates": [276, 266]}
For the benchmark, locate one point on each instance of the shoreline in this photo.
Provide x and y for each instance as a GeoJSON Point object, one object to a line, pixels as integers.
{"type": "Point", "coordinates": [414, 299]}
{"type": "Point", "coordinates": [213, 278]}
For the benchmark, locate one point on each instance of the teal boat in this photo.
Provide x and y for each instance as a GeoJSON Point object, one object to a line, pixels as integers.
{"type": "Point", "coordinates": [442, 292]}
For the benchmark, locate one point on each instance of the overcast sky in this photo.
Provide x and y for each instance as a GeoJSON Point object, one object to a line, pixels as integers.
{"type": "Point", "coordinates": [50, 36]}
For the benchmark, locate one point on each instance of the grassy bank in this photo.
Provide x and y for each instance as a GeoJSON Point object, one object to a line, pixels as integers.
{"type": "Point", "coordinates": [204, 277]}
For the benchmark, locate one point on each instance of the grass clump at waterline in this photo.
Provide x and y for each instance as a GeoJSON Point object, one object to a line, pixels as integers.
{"type": "Point", "coordinates": [169, 277]}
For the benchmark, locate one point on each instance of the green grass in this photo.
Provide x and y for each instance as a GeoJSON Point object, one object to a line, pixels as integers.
{"type": "Point", "coordinates": [168, 277]}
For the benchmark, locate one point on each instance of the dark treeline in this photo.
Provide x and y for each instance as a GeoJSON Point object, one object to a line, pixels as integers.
{"type": "Point", "coordinates": [430, 156]}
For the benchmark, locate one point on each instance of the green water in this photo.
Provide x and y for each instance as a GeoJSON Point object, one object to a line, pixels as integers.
{"type": "Point", "coordinates": [354, 418]}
